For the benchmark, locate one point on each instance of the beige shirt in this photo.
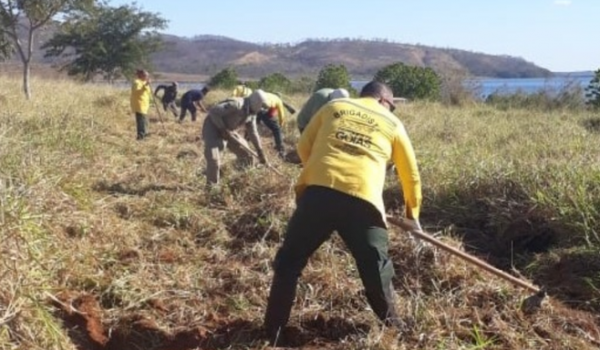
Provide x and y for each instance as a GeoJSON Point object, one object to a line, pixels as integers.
{"type": "Point", "coordinates": [233, 113]}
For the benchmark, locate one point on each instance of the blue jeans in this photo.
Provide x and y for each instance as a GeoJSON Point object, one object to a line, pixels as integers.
{"type": "Point", "coordinates": [188, 106]}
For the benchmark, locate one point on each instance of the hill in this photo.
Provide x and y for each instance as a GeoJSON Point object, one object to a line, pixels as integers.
{"type": "Point", "coordinates": [208, 54]}
{"type": "Point", "coordinates": [204, 55]}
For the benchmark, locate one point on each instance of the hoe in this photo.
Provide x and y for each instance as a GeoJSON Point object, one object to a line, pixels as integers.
{"type": "Point", "coordinates": [529, 305]}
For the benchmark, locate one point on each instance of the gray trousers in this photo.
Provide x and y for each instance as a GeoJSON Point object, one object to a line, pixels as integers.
{"type": "Point", "coordinates": [214, 145]}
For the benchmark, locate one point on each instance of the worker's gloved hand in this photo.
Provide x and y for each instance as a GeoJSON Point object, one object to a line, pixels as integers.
{"type": "Point", "coordinates": [413, 225]}
{"type": "Point", "coordinates": [226, 134]}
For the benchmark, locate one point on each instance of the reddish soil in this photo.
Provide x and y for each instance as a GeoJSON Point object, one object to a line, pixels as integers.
{"type": "Point", "coordinates": [82, 316]}
{"type": "Point", "coordinates": [167, 256]}
{"type": "Point", "coordinates": [82, 312]}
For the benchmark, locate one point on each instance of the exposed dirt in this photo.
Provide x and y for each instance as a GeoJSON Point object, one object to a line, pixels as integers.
{"type": "Point", "coordinates": [82, 316]}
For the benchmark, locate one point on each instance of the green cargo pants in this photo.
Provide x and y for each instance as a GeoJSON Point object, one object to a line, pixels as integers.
{"type": "Point", "coordinates": [319, 212]}
{"type": "Point", "coordinates": [141, 125]}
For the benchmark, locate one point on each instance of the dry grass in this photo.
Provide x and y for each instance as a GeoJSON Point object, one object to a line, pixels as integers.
{"type": "Point", "coordinates": [110, 243]}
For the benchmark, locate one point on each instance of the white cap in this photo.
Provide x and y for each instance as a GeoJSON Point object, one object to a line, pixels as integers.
{"type": "Point", "coordinates": [338, 93]}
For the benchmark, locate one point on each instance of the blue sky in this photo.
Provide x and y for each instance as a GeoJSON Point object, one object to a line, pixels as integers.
{"type": "Point", "coordinates": [560, 35]}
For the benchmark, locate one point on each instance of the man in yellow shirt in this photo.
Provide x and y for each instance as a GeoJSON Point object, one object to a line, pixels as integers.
{"type": "Point", "coordinates": [272, 116]}
{"type": "Point", "coordinates": [140, 101]}
{"type": "Point", "coordinates": [344, 150]}
{"type": "Point", "coordinates": [241, 90]}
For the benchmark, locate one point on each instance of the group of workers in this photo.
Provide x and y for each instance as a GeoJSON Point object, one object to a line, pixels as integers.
{"type": "Point", "coordinates": [344, 147]}
{"type": "Point", "coordinates": [141, 94]}
{"type": "Point", "coordinates": [190, 101]}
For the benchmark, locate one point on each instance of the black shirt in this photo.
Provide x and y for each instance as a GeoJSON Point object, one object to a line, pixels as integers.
{"type": "Point", "coordinates": [170, 93]}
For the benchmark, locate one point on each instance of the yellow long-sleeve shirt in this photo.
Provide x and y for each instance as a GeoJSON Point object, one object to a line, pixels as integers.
{"type": "Point", "coordinates": [273, 101]}
{"type": "Point", "coordinates": [140, 96]}
{"type": "Point", "coordinates": [241, 91]}
{"type": "Point", "coordinates": [346, 146]}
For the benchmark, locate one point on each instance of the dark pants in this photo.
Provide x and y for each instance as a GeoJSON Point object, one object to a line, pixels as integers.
{"type": "Point", "coordinates": [319, 212]}
{"type": "Point", "coordinates": [188, 106]}
{"type": "Point", "coordinates": [141, 123]}
{"type": "Point", "coordinates": [170, 105]}
{"type": "Point", "coordinates": [273, 125]}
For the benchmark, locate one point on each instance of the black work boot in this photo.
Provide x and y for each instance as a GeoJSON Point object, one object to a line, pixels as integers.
{"type": "Point", "coordinates": [383, 306]}
{"type": "Point", "coordinates": [281, 152]}
{"type": "Point", "coordinates": [275, 336]}
{"type": "Point", "coordinates": [279, 306]}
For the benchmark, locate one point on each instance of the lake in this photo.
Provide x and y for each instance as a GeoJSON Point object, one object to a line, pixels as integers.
{"type": "Point", "coordinates": [530, 85]}
{"type": "Point", "coordinates": [484, 87]}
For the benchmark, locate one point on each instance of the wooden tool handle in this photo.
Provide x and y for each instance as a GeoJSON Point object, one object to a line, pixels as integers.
{"type": "Point", "coordinates": [480, 263]}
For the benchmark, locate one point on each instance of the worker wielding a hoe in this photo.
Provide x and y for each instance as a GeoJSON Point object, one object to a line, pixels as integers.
{"type": "Point", "coordinates": [169, 96]}
{"type": "Point", "coordinates": [219, 132]}
{"type": "Point", "coordinates": [344, 150]}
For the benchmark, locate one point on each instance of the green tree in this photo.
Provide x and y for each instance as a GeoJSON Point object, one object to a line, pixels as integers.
{"type": "Point", "coordinates": [111, 41]}
{"type": "Point", "coordinates": [19, 22]}
{"type": "Point", "coordinates": [410, 81]}
{"type": "Point", "coordinates": [592, 91]}
{"type": "Point", "coordinates": [275, 82]}
{"type": "Point", "coordinates": [226, 79]}
{"type": "Point", "coordinates": [333, 76]}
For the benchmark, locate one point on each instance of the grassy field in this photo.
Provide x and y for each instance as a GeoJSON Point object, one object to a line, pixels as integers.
{"type": "Point", "coordinates": [110, 243]}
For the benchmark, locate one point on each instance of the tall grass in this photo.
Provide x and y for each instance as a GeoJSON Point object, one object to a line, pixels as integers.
{"type": "Point", "coordinates": [542, 160]}
{"type": "Point", "coordinates": [111, 243]}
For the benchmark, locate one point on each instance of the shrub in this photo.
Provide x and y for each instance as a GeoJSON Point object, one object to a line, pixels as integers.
{"type": "Point", "coordinates": [410, 81]}
{"type": "Point", "coordinates": [454, 90]}
{"type": "Point", "coordinates": [302, 85]}
{"type": "Point", "coordinates": [225, 79]}
{"type": "Point", "coordinates": [275, 82]}
{"type": "Point", "coordinates": [333, 76]}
